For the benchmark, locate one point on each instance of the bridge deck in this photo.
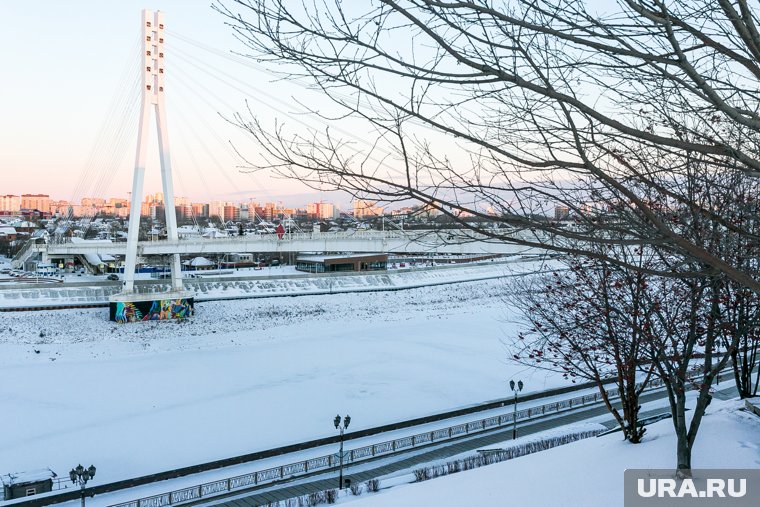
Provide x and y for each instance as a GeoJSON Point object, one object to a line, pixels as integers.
{"type": "Point", "coordinates": [438, 242]}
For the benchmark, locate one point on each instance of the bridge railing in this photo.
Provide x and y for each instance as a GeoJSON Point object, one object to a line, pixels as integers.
{"type": "Point", "coordinates": [360, 454]}
{"type": "Point", "coordinates": [442, 234]}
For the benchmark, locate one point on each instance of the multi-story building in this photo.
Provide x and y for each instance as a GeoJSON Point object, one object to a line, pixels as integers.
{"type": "Point", "coordinates": [157, 212]}
{"type": "Point", "coordinates": [270, 211]}
{"type": "Point", "coordinates": [40, 202]}
{"type": "Point", "coordinates": [561, 212]}
{"type": "Point", "coordinates": [10, 203]}
{"type": "Point", "coordinates": [216, 209]}
{"type": "Point", "coordinates": [200, 209]}
{"type": "Point", "coordinates": [366, 209]}
{"type": "Point", "coordinates": [93, 201]}
{"type": "Point", "coordinates": [231, 213]}
{"type": "Point", "coordinates": [184, 211]}
{"type": "Point", "coordinates": [117, 202]}
{"type": "Point", "coordinates": [60, 208]}
{"type": "Point", "coordinates": [320, 211]}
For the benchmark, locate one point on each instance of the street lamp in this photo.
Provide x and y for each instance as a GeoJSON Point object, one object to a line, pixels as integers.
{"type": "Point", "coordinates": [80, 475]}
{"type": "Point", "coordinates": [346, 422]}
{"type": "Point", "coordinates": [515, 389]}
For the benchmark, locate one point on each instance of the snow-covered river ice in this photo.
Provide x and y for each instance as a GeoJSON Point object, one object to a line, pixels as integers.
{"type": "Point", "coordinates": [244, 375]}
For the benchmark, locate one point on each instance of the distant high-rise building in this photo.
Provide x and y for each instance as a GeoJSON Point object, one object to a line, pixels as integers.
{"type": "Point", "coordinates": [10, 203]}
{"type": "Point", "coordinates": [216, 209]}
{"type": "Point", "coordinates": [270, 211]}
{"type": "Point", "coordinates": [184, 211]}
{"type": "Point", "coordinates": [231, 213]}
{"type": "Point", "coordinates": [366, 209]}
{"type": "Point", "coordinates": [157, 211]}
{"type": "Point", "coordinates": [561, 212]}
{"type": "Point", "coordinates": [200, 209]}
{"type": "Point", "coordinates": [40, 202]}
{"type": "Point", "coordinates": [320, 211]}
{"type": "Point", "coordinates": [60, 208]}
{"type": "Point", "coordinates": [93, 201]}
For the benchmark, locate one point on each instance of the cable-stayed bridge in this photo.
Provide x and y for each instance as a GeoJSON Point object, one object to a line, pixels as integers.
{"type": "Point", "coordinates": [151, 80]}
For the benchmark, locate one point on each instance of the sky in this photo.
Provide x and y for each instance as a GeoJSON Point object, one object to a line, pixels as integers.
{"type": "Point", "coordinates": [64, 67]}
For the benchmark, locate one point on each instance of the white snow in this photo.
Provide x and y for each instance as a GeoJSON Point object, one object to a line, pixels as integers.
{"type": "Point", "coordinates": [243, 375]}
{"type": "Point", "coordinates": [588, 473]}
{"type": "Point", "coordinates": [268, 282]}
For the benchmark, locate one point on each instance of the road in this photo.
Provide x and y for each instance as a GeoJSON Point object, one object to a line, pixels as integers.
{"type": "Point", "coordinates": [385, 466]}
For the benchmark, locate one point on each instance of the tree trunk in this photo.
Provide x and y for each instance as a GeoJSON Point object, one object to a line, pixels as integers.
{"type": "Point", "coordinates": [683, 445]}
{"type": "Point", "coordinates": [683, 455]}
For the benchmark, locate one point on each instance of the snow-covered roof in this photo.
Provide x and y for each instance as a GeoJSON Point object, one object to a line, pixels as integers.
{"type": "Point", "coordinates": [214, 233]}
{"type": "Point", "coordinates": [24, 224]}
{"type": "Point", "coordinates": [200, 262]}
{"type": "Point", "coordinates": [39, 475]}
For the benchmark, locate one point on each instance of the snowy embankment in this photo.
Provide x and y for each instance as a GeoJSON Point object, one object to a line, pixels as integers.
{"type": "Point", "coordinates": [244, 375]}
{"type": "Point", "coordinates": [258, 284]}
{"type": "Point", "coordinates": [587, 473]}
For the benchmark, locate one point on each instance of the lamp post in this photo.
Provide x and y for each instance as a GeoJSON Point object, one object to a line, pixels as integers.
{"type": "Point", "coordinates": [80, 475]}
{"type": "Point", "coordinates": [515, 389]}
{"type": "Point", "coordinates": [344, 426]}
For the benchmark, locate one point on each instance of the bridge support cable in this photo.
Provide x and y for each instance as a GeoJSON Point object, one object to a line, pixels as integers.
{"type": "Point", "coordinates": [198, 138]}
{"type": "Point", "coordinates": [246, 61]}
{"type": "Point", "coordinates": [202, 96]}
{"type": "Point", "coordinates": [245, 88]}
{"type": "Point", "coordinates": [253, 93]}
{"type": "Point", "coordinates": [179, 175]}
{"type": "Point", "coordinates": [99, 167]}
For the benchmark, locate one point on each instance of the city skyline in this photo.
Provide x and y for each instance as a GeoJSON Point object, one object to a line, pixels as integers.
{"type": "Point", "coordinates": [187, 208]}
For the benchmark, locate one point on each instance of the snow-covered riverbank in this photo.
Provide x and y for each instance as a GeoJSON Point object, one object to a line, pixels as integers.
{"type": "Point", "coordinates": [265, 283]}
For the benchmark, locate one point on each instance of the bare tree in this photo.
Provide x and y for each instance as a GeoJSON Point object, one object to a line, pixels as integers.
{"type": "Point", "coordinates": [741, 323]}
{"type": "Point", "coordinates": [739, 306]}
{"type": "Point", "coordinates": [683, 328]}
{"type": "Point", "coordinates": [508, 110]}
{"type": "Point", "coordinates": [588, 321]}
{"type": "Point", "coordinates": [504, 111]}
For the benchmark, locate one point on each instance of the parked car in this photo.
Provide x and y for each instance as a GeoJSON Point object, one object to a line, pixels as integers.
{"type": "Point", "coordinates": [112, 277]}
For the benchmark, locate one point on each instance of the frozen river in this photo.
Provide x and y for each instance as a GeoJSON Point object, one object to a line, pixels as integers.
{"type": "Point", "coordinates": [243, 375]}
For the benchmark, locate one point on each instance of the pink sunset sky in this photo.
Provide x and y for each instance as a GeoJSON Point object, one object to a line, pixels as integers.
{"type": "Point", "coordinates": [66, 64]}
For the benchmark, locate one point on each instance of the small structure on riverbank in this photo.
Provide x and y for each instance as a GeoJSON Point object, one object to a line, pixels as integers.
{"type": "Point", "coordinates": [21, 484]}
{"type": "Point", "coordinates": [346, 262]}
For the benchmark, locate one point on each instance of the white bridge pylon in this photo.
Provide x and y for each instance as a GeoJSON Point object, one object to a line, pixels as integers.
{"type": "Point", "coordinates": [153, 97]}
